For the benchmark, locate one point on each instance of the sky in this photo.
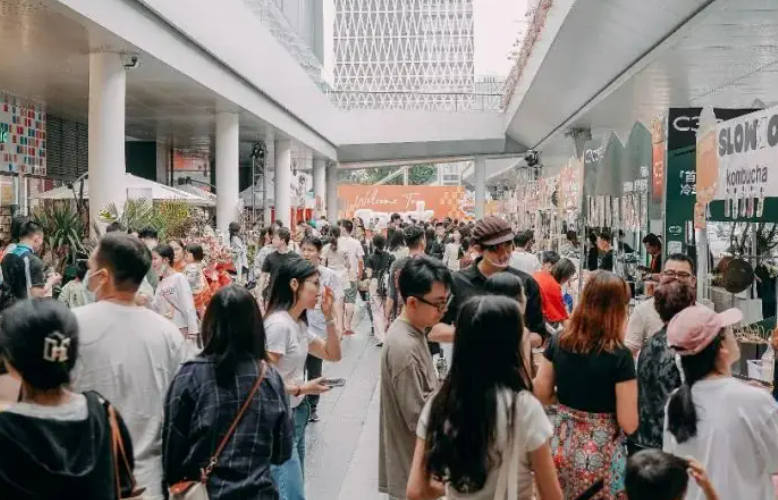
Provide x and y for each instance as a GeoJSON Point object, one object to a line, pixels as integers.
{"type": "Point", "coordinates": [497, 24]}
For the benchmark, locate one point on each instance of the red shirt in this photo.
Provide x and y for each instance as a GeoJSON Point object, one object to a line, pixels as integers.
{"type": "Point", "coordinates": [554, 309]}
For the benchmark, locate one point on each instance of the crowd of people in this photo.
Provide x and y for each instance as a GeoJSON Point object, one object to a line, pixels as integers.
{"type": "Point", "coordinates": [159, 371]}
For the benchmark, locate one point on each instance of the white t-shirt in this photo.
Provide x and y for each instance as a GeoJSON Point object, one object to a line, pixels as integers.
{"type": "Point", "coordinates": [643, 324]}
{"type": "Point", "coordinates": [355, 253]}
{"type": "Point", "coordinates": [317, 323]}
{"type": "Point", "coordinates": [130, 355]}
{"type": "Point", "coordinates": [289, 339]}
{"type": "Point", "coordinates": [173, 299]}
{"type": "Point", "coordinates": [736, 441]}
{"type": "Point", "coordinates": [536, 430]}
{"type": "Point", "coordinates": [525, 261]}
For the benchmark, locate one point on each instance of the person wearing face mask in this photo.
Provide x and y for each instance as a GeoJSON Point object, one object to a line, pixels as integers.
{"type": "Point", "coordinates": [128, 354]}
{"type": "Point", "coordinates": [494, 238]}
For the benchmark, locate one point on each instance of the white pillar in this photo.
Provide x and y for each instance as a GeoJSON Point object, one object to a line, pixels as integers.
{"type": "Point", "coordinates": [270, 162]}
{"type": "Point", "coordinates": [282, 182]}
{"type": "Point", "coordinates": [480, 187]}
{"type": "Point", "coordinates": [332, 192]}
{"type": "Point", "coordinates": [227, 163]}
{"type": "Point", "coordinates": [319, 184]}
{"type": "Point", "coordinates": [107, 88]}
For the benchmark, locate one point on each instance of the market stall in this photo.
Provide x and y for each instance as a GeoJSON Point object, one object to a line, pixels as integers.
{"type": "Point", "coordinates": [737, 187]}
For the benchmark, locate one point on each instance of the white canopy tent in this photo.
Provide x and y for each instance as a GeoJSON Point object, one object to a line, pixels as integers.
{"type": "Point", "coordinates": [137, 188]}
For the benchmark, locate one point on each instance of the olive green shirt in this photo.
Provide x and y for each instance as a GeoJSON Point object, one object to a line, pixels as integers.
{"type": "Point", "coordinates": [408, 378]}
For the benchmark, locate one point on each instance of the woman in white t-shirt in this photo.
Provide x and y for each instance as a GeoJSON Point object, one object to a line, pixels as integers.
{"type": "Point", "coordinates": [451, 252]}
{"type": "Point", "coordinates": [173, 298]}
{"type": "Point", "coordinates": [295, 289]}
{"type": "Point", "coordinates": [728, 426]}
{"type": "Point", "coordinates": [483, 434]}
{"type": "Point", "coordinates": [336, 258]}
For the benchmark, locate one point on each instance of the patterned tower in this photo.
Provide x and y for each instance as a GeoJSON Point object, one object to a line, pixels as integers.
{"type": "Point", "coordinates": [404, 54]}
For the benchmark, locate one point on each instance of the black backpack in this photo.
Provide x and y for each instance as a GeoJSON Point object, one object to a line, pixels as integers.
{"type": "Point", "coordinates": [383, 275]}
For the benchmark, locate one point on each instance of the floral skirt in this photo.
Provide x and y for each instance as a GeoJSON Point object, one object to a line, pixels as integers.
{"type": "Point", "coordinates": [587, 448]}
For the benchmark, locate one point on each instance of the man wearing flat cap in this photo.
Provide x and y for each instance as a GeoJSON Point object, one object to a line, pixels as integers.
{"type": "Point", "coordinates": [493, 236]}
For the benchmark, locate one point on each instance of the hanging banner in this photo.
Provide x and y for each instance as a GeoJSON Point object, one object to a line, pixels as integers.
{"type": "Point", "coordinates": [658, 159]}
{"type": "Point", "coordinates": [748, 156]}
{"type": "Point", "coordinates": [707, 161]}
{"type": "Point", "coordinates": [681, 173]}
{"type": "Point", "coordinates": [594, 151]}
{"type": "Point", "coordinates": [636, 179]}
{"type": "Point", "coordinates": [746, 153]}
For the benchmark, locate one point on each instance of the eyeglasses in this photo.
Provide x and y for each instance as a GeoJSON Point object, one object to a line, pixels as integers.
{"type": "Point", "coordinates": [440, 307]}
{"type": "Point", "coordinates": [682, 275]}
{"type": "Point", "coordinates": [500, 247]}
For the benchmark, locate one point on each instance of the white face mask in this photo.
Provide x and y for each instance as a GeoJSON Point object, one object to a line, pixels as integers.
{"type": "Point", "coordinates": [506, 265]}
{"type": "Point", "coordinates": [87, 282]}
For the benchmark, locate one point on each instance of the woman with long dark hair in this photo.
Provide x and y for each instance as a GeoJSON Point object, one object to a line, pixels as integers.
{"type": "Point", "coordinates": [207, 395]}
{"type": "Point", "coordinates": [334, 257]}
{"type": "Point", "coordinates": [377, 267]}
{"type": "Point", "coordinates": [730, 427]}
{"type": "Point", "coordinates": [56, 443]}
{"type": "Point", "coordinates": [179, 255]}
{"type": "Point", "coordinates": [591, 374]}
{"type": "Point", "coordinates": [293, 291]}
{"type": "Point", "coordinates": [484, 420]}
{"type": "Point", "coordinates": [397, 246]}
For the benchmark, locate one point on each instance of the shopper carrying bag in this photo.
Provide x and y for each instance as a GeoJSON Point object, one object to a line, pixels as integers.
{"type": "Point", "coordinates": [196, 490]}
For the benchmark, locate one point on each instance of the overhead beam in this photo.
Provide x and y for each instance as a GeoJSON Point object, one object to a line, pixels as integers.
{"type": "Point", "coordinates": [678, 33]}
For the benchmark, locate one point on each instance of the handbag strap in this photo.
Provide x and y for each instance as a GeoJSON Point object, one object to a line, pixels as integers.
{"type": "Point", "coordinates": [508, 477]}
{"type": "Point", "coordinates": [118, 450]}
{"type": "Point", "coordinates": [204, 473]}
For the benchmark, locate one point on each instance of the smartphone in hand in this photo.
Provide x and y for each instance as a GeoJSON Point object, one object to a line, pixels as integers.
{"type": "Point", "coordinates": [334, 382]}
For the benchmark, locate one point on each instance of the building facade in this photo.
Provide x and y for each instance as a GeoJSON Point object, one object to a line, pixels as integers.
{"type": "Point", "coordinates": [404, 54]}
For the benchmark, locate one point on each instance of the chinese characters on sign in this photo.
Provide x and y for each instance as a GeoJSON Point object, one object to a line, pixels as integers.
{"type": "Point", "coordinates": [688, 182]}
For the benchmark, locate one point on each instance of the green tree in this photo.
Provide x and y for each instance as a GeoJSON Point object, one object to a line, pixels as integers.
{"type": "Point", "coordinates": [417, 175]}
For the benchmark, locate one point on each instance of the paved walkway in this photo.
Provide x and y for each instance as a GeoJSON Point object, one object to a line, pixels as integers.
{"type": "Point", "coordinates": [342, 449]}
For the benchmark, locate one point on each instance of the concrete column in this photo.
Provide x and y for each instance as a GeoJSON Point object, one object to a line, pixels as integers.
{"type": "Point", "coordinates": [107, 89]}
{"type": "Point", "coordinates": [270, 165]}
{"type": "Point", "coordinates": [319, 184]}
{"type": "Point", "coordinates": [332, 192]}
{"type": "Point", "coordinates": [480, 187]}
{"type": "Point", "coordinates": [282, 180]}
{"type": "Point", "coordinates": [227, 163]}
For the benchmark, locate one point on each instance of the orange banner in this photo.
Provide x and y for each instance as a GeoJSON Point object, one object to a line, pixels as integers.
{"type": "Point", "coordinates": [443, 201]}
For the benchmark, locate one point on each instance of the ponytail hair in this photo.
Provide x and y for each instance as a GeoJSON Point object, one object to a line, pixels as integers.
{"type": "Point", "coordinates": [334, 235]}
{"type": "Point", "coordinates": [681, 413]}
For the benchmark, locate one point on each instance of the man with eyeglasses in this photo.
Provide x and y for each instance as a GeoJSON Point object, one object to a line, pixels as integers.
{"type": "Point", "coordinates": [494, 237]}
{"type": "Point", "coordinates": [645, 320]}
{"type": "Point", "coordinates": [408, 375]}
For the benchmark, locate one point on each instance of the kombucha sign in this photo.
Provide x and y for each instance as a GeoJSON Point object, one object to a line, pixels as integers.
{"type": "Point", "coordinates": [747, 151]}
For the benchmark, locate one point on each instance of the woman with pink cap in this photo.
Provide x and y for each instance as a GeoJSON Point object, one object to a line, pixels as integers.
{"type": "Point", "coordinates": [730, 427]}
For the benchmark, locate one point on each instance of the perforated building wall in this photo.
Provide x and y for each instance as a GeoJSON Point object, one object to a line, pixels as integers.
{"type": "Point", "coordinates": [405, 54]}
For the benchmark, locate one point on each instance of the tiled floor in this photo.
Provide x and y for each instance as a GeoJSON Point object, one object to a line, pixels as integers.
{"type": "Point", "coordinates": [342, 449]}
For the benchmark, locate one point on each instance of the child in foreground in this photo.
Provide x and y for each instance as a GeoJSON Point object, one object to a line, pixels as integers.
{"type": "Point", "coordinates": [656, 475]}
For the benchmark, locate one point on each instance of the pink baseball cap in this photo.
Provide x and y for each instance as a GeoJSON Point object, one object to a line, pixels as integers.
{"type": "Point", "coordinates": [694, 328]}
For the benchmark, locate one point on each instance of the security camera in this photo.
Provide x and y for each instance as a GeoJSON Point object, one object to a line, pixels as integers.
{"type": "Point", "coordinates": [131, 62]}
{"type": "Point", "coordinates": [532, 158]}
